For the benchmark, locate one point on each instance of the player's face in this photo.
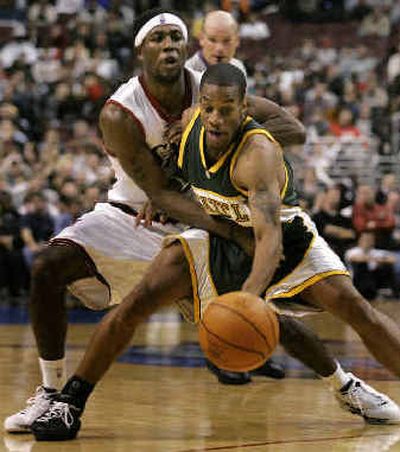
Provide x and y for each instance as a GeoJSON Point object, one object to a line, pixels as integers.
{"type": "Point", "coordinates": [163, 53]}
{"type": "Point", "coordinates": [222, 111]}
{"type": "Point", "coordinates": [218, 43]}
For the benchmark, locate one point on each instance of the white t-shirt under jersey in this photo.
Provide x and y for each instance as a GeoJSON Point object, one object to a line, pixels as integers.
{"type": "Point", "coordinates": [198, 63]}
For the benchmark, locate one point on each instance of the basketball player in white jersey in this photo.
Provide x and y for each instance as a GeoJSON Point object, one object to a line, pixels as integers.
{"type": "Point", "coordinates": [97, 256]}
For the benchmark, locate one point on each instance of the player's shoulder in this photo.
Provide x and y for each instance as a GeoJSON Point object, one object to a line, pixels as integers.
{"type": "Point", "coordinates": [258, 146]}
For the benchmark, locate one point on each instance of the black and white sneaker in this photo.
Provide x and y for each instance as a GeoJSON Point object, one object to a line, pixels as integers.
{"type": "Point", "coordinates": [61, 422]}
{"type": "Point", "coordinates": [363, 400]}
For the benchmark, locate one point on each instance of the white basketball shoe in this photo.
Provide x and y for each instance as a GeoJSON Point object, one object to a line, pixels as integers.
{"type": "Point", "coordinates": [35, 406]}
{"type": "Point", "coordinates": [363, 400]}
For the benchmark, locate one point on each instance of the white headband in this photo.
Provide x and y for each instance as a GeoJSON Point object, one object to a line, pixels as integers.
{"type": "Point", "coordinates": [160, 19]}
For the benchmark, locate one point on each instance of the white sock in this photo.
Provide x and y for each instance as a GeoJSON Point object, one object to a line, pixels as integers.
{"type": "Point", "coordinates": [54, 373]}
{"type": "Point", "coordinates": [338, 379]}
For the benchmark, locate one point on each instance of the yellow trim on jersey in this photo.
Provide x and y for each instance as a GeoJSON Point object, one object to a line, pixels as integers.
{"type": "Point", "coordinates": [235, 157]}
{"type": "Point", "coordinates": [185, 136]}
{"type": "Point", "coordinates": [193, 276]}
{"type": "Point", "coordinates": [218, 164]}
{"type": "Point", "coordinates": [285, 278]}
{"type": "Point", "coordinates": [307, 283]}
{"type": "Point", "coordinates": [218, 195]}
{"type": "Point", "coordinates": [208, 268]}
{"type": "Point", "coordinates": [286, 184]}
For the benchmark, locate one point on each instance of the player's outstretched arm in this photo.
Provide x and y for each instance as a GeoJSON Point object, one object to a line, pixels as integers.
{"type": "Point", "coordinates": [259, 171]}
{"type": "Point", "coordinates": [124, 140]}
{"type": "Point", "coordinates": [283, 126]}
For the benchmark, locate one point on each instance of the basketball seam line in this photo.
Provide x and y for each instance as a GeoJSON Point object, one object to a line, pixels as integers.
{"type": "Point", "coordinates": [239, 347]}
{"type": "Point", "coordinates": [245, 319]}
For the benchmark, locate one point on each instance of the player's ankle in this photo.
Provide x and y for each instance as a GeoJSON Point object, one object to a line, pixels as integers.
{"type": "Point", "coordinates": [338, 379]}
{"type": "Point", "coordinates": [78, 390]}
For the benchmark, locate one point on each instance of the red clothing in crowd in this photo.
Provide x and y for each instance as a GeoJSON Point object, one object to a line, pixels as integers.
{"type": "Point", "coordinates": [378, 218]}
{"type": "Point", "coordinates": [339, 131]}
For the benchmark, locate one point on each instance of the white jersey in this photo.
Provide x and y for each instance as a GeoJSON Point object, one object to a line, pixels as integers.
{"type": "Point", "coordinates": [144, 109]}
{"type": "Point", "coordinates": [198, 63]}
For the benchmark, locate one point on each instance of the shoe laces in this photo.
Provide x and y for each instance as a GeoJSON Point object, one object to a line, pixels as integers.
{"type": "Point", "coordinates": [35, 399]}
{"type": "Point", "coordinates": [356, 392]}
{"type": "Point", "coordinates": [58, 410]}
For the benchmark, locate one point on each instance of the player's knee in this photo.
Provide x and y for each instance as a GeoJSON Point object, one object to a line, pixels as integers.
{"type": "Point", "coordinates": [45, 265]}
{"type": "Point", "coordinates": [52, 265]}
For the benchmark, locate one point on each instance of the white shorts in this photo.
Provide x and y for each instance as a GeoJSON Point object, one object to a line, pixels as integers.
{"type": "Point", "coordinates": [317, 263]}
{"type": "Point", "coordinates": [119, 250]}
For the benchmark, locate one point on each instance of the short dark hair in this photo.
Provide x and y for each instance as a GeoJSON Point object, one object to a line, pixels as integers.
{"type": "Point", "coordinates": [225, 74]}
{"type": "Point", "coordinates": [146, 16]}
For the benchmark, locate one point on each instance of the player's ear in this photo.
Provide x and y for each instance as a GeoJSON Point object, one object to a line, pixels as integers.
{"type": "Point", "coordinates": [138, 51]}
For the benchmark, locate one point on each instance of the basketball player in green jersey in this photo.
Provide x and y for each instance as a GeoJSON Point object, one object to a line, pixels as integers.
{"type": "Point", "coordinates": [237, 171]}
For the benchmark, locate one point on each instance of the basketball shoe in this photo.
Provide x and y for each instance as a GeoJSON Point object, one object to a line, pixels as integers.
{"type": "Point", "coordinates": [269, 369]}
{"type": "Point", "coordinates": [61, 422]}
{"type": "Point", "coordinates": [35, 406]}
{"type": "Point", "coordinates": [363, 400]}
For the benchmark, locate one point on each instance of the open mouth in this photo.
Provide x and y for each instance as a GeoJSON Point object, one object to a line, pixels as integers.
{"type": "Point", "coordinates": [215, 134]}
{"type": "Point", "coordinates": [219, 58]}
{"type": "Point", "coordinates": [170, 60]}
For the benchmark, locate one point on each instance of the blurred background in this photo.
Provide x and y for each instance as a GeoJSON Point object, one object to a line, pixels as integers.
{"type": "Point", "coordinates": [334, 64]}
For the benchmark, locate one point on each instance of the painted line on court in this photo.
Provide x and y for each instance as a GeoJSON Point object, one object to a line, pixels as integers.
{"type": "Point", "coordinates": [277, 442]}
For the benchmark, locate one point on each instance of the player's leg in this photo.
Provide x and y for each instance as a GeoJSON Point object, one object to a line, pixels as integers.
{"type": "Point", "coordinates": [379, 333]}
{"type": "Point", "coordinates": [335, 294]}
{"type": "Point", "coordinates": [55, 268]}
{"type": "Point", "coordinates": [166, 280]}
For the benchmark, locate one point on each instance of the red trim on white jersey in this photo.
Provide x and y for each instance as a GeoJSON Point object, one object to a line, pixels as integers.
{"type": "Point", "coordinates": [187, 100]}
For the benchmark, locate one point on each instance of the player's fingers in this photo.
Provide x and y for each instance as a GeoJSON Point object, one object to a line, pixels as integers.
{"type": "Point", "coordinates": [148, 215]}
{"type": "Point", "coordinates": [139, 218]}
{"type": "Point", "coordinates": [163, 218]}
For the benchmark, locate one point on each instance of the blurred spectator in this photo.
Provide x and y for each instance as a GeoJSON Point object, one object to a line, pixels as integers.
{"type": "Point", "coordinates": [318, 99]}
{"type": "Point", "coordinates": [13, 273]}
{"type": "Point", "coordinates": [372, 268]}
{"type": "Point", "coordinates": [360, 10]}
{"type": "Point", "coordinates": [19, 48]}
{"type": "Point", "coordinates": [69, 7]}
{"type": "Point", "coordinates": [393, 65]}
{"type": "Point", "coordinates": [344, 127]}
{"type": "Point", "coordinates": [37, 226]}
{"type": "Point", "coordinates": [368, 216]}
{"type": "Point", "coordinates": [239, 8]}
{"type": "Point", "coordinates": [69, 209]}
{"type": "Point", "coordinates": [92, 13]}
{"type": "Point", "coordinates": [376, 23]}
{"type": "Point", "coordinates": [254, 28]}
{"type": "Point", "coordinates": [336, 229]}
{"type": "Point", "coordinates": [388, 190]}
{"type": "Point", "coordinates": [309, 187]}
{"type": "Point", "coordinates": [42, 12]}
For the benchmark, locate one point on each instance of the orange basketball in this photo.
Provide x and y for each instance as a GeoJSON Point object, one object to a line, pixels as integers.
{"type": "Point", "coordinates": [238, 331]}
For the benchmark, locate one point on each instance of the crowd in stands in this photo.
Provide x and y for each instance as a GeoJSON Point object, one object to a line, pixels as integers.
{"type": "Point", "coordinates": [63, 58]}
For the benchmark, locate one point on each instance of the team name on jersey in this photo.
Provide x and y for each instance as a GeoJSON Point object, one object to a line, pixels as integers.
{"type": "Point", "coordinates": [233, 208]}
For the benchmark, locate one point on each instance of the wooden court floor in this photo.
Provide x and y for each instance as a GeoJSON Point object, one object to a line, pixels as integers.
{"type": "Point", "coordinates": [159, 396]}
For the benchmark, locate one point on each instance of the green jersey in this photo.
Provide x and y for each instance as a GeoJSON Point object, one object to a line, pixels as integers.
{"type": "Point", "coordinates": [213, 185]}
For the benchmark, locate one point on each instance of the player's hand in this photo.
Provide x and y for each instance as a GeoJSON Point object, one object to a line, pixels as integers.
{"type": "Point", "coordinates": [173, 133]}
{"type": "Point", "coordinates": [147, 214]}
